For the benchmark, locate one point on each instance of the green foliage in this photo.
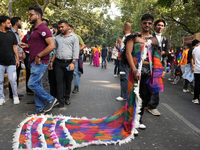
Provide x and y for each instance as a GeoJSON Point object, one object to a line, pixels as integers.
{"type": "Point", "coordinates": [89, 24]}
{"type": "Point", "coordinates": [4, 7]}
{"type": "Point", "coordinates": [182, 16]}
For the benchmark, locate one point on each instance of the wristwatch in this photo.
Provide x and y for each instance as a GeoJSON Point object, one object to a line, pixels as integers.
{"type": "Point", "coordinates": [38, 56]}
{"type": "Point", "coordinates": [73, 62]}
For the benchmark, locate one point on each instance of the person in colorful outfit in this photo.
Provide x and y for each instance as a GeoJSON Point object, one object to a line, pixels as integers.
{"type": "Point", "coordinates": [96, 57]}
{"type": "Point", "coordinates": [143, 48]}
{"type": "Point", "coordinates": [183, 63]}
{"type": "Point", "coordinates": [174, 65]}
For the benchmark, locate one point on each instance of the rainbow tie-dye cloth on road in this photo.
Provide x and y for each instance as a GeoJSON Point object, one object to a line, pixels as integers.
{"type": "Point", "coordinates": [61, 132]}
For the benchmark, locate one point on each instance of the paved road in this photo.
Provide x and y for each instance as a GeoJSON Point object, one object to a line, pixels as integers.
{"type": "Point", "coordinates": [178, 127]}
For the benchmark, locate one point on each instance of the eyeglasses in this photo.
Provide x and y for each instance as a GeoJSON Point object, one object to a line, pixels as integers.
{"type": "Point", "coordinates": [145, 23]}
{"type": "Point", "coordinates": [30, 15]}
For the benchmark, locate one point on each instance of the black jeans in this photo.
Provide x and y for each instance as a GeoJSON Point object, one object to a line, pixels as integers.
{"type": "Point", "coordinates": [154, 101]}
{"type": "Point", "coordinates": [197, 86]}
{"type": "Point", "coordinates": [52, 81]}
{"type": "Point", "coordinates": [116, 70]}
{"type": "Point", "coordinates": [18, 73]}
{"type": "Point", "coordinates": [145, 94]}
{"type": "Point", "coordinates": [124, 73]}
{"type": "Point", "coordinates": [28, 72]}
{"type": "Point", "coordinates": [62, 75]}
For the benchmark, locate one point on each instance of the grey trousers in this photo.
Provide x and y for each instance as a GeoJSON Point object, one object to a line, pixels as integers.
{"type": "Point", "coordinates": [173, 68]}
{"type": "Point", "coordinates": [12, 77]}
{"type": "Point", "coordinates": [124, 72]}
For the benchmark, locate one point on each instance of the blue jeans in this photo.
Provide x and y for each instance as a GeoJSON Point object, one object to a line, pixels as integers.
{"type": "Point", "coordinates": [103, 60]}
{"type": "Point", "coordinates": [76, 74]}
{"type": "Point", "coordinates": [35, 84]}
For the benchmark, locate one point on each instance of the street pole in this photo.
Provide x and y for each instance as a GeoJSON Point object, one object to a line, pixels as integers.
{"type": "Point", "coordinates": [10, 10]}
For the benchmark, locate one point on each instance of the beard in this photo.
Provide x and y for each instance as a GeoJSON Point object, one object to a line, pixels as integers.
{"type": "Point", "coordinates": [64, 32]}
{"type": "Point", "coordinates": [19, 26]}
{"type": "Point", "coordinates": [7, 28]}
{"type": "Point", "coordinates": [33, 21]}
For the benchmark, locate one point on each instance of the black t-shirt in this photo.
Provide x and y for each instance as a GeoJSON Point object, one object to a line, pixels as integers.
{"type": "Point", "coordinates": [7, 55]}
{"type": "Point", "coordinates": [189, 56]}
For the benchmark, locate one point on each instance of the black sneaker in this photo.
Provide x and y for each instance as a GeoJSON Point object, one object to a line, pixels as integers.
{"type": "Point", "coordinates": [58, 105]}
{"type": "Point", "coordinates": [49, 105]}
{"type": "Point", "coordinates": [75, 90]}
{"type": "Point", "coordinates": [36, 112]}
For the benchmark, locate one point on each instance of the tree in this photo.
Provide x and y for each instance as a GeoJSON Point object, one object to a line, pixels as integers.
{"type": "Point", "coordinates": [184, 13]}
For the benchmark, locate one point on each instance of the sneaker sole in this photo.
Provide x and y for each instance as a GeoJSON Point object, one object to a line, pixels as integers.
{"type": "Point", "coordinates": [51, 107]}
{"type": "Point", "coordinates": [35, 114]}
{"type": "Point", "coordinates": [120, 100]}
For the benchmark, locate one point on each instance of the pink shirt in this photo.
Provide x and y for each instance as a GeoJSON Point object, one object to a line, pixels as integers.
{"type": "Point", "coordinates": [38, 43]}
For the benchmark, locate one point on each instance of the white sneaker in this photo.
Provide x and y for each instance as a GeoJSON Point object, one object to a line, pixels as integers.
{"type": "Point", "coordinates": [115, 75]}
{"type": "Point", "coordinates": [136, 132]}
{"type": "Point", "coordinates": [142, 126]}
{"type": "Point", "coordinates": [2, 101]}
{"type": "Point", "coordinates": [192, 93]}
{"type": "Point", "coordinates": [170, 79]}
{"type": "Point", "coordinates": [196, 101]}
{"type": "Point", "coordinates": [120, 98]}
{"type": "Point", "coordinates": [193, 100]}
{"type": "Point", "coordinates": [154, 112]}
{"type": "Point", "coordinates": [185, 91]}
{"type": "Point", "coordinates": [16, 100]}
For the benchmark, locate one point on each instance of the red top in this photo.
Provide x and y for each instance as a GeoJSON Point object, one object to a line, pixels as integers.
{"type": "Point", "coordinates": [38, 43]}
{"type": "Point", "coordinates": [24, 41]}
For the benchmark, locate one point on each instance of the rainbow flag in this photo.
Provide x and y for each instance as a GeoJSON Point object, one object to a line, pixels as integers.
{"type": "Point", "coordinates": [178, 58]}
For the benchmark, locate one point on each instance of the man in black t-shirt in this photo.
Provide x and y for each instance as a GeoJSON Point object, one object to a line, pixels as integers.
{"type": "Point", "coordinates": [8, 51]}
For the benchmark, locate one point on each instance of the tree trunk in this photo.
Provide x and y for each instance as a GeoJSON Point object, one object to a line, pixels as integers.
{"type": "Point", "coordinates": [10, 10]}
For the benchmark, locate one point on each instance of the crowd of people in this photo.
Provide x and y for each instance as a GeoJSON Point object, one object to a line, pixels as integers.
{"type": "Point", "coordinates": [49, 67]}
{"type": "Point", "coordinates": [53, 57]}
{"type": "Point", "coordinates": [183, 63]}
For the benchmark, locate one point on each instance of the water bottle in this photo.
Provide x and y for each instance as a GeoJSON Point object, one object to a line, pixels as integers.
{"type": "Point", "coordinates": [68, 68]}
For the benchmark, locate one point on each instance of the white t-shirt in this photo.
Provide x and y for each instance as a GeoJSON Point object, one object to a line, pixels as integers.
{"type": "Point", "coordinates": [196, 57]}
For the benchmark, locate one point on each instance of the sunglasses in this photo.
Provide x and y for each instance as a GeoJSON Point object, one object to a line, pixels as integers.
{"type": "Point", "coordinates": [145, 23]}
{"type": "Point", "coordinates": [30, 15]}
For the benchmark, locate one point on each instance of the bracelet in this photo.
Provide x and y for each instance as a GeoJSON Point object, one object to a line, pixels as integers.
{"type": "Point", "coordinates": [51, 61]}
{"type": "Point", "coordinates": [134, 72]}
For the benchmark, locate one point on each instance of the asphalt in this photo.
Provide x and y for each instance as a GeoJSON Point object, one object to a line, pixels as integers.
{"type": "Point", "coordinates": [178, 127]}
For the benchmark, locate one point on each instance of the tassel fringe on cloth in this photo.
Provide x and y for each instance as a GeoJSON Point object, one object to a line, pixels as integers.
{"type": "Point", "coordinates": [48, 132]}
